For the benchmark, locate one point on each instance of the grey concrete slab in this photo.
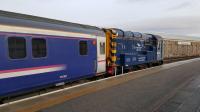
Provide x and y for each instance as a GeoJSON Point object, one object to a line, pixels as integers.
{"type": "Point", "coordinates": [188, 98]}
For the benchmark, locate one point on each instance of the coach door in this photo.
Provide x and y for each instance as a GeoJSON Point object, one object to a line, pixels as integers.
{"type": "Point", "coordinates": [101, 57]}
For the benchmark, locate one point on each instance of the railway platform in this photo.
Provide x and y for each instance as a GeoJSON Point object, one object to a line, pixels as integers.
{"type": "Point", "coordinates": [168, 88]}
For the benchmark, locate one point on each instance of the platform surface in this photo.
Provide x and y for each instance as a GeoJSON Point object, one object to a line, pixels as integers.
{"type": "Point", "coordinates": [168, 88]}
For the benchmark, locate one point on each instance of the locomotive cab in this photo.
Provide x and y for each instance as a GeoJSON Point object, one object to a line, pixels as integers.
{"type": "Point", "coordinates": [157, 43]}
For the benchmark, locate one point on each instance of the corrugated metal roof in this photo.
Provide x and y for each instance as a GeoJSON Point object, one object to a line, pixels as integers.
{"type": "Point", "coordinates": [16, 19]}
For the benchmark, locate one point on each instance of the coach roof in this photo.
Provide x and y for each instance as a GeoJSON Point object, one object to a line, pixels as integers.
{"type": "Point", "coordinates": [23, 20]}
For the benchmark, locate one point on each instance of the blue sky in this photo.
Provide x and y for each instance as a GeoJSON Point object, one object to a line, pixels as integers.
{"type": "Point", "coordinates": [181, 17]}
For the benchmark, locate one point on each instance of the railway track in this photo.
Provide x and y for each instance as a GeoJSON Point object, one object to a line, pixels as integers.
{"type": "Point", "coordinates": [171, 60]}
{"type": "Point", "coordinates": [53, 88]}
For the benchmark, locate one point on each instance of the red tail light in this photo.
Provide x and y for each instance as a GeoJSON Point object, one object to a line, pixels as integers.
{"type": "Point", "coordinates": [110, 71]}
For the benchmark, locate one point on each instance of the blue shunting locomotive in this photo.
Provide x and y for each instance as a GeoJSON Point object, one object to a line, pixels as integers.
{"type": "Point", "coordinates": [132, 49]}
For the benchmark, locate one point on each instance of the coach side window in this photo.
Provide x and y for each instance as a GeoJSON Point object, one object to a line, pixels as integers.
{"type": "Point", "coordinates": [17, 47]}
{"type": "Point", "coordinates": [39, 48]}
{"type": "Point", "coordinates": [83, 48]}
{"type": "Point", "coordinates": [102, 48]}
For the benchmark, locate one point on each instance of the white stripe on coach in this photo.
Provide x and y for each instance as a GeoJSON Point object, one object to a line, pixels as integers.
{"type": "Point", "coordinates": [17, 29]}
{"type": "Point", "coordinates": [31, 72]}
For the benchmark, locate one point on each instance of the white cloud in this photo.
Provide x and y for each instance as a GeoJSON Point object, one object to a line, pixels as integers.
{"type": "Point", "coordinates": [140, 15]}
